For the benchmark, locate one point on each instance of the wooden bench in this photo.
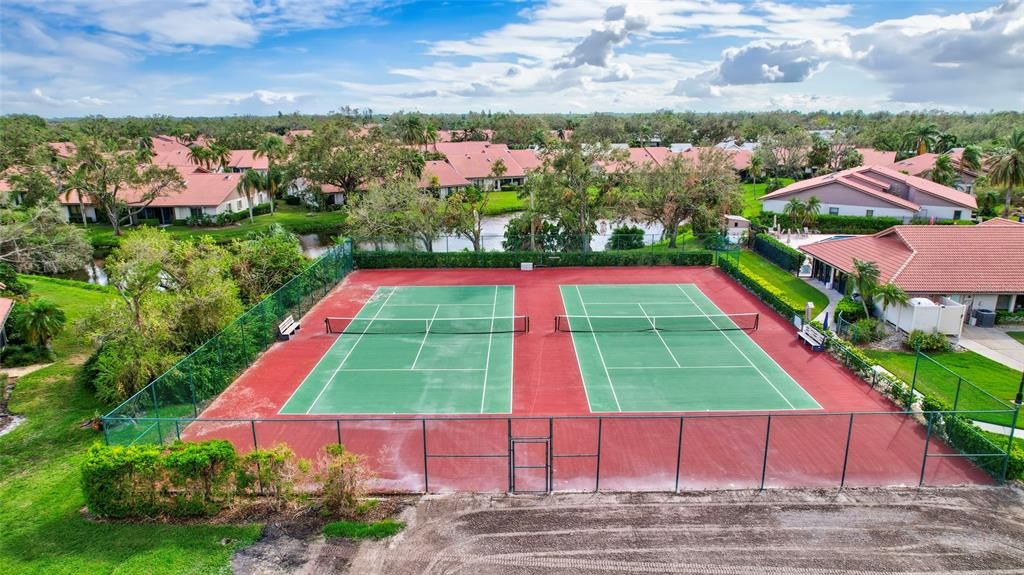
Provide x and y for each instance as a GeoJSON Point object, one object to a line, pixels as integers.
{"type": "Point", "coordinates": [812, 337]}
{"type": "Point", "coordinates": [286, 328]}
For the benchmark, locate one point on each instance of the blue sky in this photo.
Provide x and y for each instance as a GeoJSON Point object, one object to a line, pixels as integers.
{"type": "Point", "coordinates": [221, 57]}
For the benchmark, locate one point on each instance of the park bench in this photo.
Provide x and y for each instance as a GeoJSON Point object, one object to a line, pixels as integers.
{"type": "Point", "coordinates": [812, 337]}
{"type": "Point", "coordinates": [286, 328]}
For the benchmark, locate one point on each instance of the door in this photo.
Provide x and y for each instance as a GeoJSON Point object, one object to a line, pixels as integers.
{"type": "Point", "coordinates": [531, 465]}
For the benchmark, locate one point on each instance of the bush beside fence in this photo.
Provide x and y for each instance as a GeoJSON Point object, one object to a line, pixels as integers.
{"type": "Point", "coordinates": [387, 259]}
{"type": "Point", "coordinates": [778, 253]}
{"type": "Point", "coordinates": [186, 388]}
{"type": "Point", "coordinates": [829, 224]}
{"type": "Point", "coordinates": [769, 294]}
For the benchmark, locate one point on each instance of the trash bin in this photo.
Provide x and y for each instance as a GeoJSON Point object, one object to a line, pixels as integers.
{"type": "Point", "coordinates": [986, 317]}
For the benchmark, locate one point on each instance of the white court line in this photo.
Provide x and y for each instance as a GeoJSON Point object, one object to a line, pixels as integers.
{"type": "Point", "coordinates": [682, 367]}
{"type": "Point", "coordinates": [655, 328]}
{"type": "Point", "coordinates": [426, 334]}
{"type": "Point", "coordinates": [349, 354]}
{"type": "Point", "coordinates": [437, 304]}
{"type": "Point", "coordinates": [490, 340]}
{"type": "Point", "coordinates": [599, 353]}
{"type": "Point", "coordinates": [729, 339]}
{"type": "Point", "coordinates": [351, 369]}
{"type": "Point", "coordinates": [621, 303]}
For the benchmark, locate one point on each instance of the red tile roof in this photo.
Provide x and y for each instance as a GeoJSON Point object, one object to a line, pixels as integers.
{"type": "Point", "coordinates": [474, 160]}
{"type": "Point", "coordinates": [5, 308]}
{"type": "Point", "coordinates": [245, 160]}
{"type": "Point", "coordinates": [875, 181]}
{"type": "Point", "coordinates": [201, 189]}
{"type": "Point", "coordinates": [987, 258]}
{"type": "Point", "coordinates": [924, 163]}
{"type": "Point", "coordinates": [527, 159]}
{"type": "Point", "coordinates": [659, 155]}
{"type": "Point", "coordinates": [446, 174]}
{"type": "Point", "coordinates": [873, 157]}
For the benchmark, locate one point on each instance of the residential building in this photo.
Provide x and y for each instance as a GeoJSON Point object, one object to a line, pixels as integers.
{"type": "Point", "coordinates": [658, 156]}
{"type": "Point", "coordinates": [956, 268]}
{"type": "Point", "coordinates": [444, 176]}
{"type": "Point", "coordinates": [6, 305]}
{"type": "Point", "coordinates": [876, 191]}
{"type": "Point", "coordinates": [475, 161]}
{"type": "Point", "coordinates": [923, 164]}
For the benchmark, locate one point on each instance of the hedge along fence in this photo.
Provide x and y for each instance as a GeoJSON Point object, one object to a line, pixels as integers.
{"type": "Point", "coordinates": [829, 224]}
{"type": "Point", "coordinates": [386, 259]}
{"type": "Point", "coordinates": [778, 253]}
{"type": "Point", "coordinates": [764, 290]}
{"type": "Point", "coordinates": [187, 387]}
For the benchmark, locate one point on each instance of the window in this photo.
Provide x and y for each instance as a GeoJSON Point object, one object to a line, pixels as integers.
{"type": "Point", "coordinates": [195, 212]}
{"type": "Point", "coordinates": [869, 213]}
{"type": "Point", "coordinates": [1003, 302]}
{"type": "Point", "coordinates": [833, 211]}
{"type": "Point", "coordinates": [957, 214]}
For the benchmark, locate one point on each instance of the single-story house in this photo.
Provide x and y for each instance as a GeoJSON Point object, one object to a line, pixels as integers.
{"type": "Point", "coordinates": [475, 160]}
{"type": "Point", "coordinates": [206, 194]}
{"type": "Point", "coordinates": [658, 156]}
{"type": "Point", "coordinates": [242, 160]}
{"type": "Point", "coordinates": [443, 175]}
{"type": "Point", "coordinates": [873, 157]}
{"type": "Point", "coordinates": [965, 267]}
{"type": "Point", "coordinates": [923, 164]}
{"type": "Point", "coordinates": [876, 191]}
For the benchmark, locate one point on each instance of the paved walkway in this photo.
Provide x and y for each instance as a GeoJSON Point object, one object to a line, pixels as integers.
{"type": "Point", "coordinates": [833, 298]}
{"type": "Point", "coordinates": [994, 344]}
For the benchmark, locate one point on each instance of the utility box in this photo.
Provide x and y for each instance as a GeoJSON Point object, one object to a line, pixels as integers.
{"type": "Point", "coordinates": [526, 266]}
{"type": "Point", "coordinates": [986, 317]}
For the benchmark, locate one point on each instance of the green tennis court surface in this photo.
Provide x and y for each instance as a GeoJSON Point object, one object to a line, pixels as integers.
{"type": "Point", "coordinates": [667, 347]}
{"type": "Point", "coordinates": [417, 349]}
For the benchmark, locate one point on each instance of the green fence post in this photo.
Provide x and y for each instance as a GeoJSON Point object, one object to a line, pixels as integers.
{"type": "Point", "coordinates": [156, 410]}
{"type": "Point", "coordinates": [927, 440]}
{"type": "Point", "coordinates": [192, 390]}
{"type": "Point", "coordinates": [1013, 426]}
{"type": "Point", "coordinates": [956, 396]}
{"type": "Point", "coordinates": [913, 380]}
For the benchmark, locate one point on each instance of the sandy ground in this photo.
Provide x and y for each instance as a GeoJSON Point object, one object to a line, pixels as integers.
{"type": "Point", "coordinates": [970, 530]}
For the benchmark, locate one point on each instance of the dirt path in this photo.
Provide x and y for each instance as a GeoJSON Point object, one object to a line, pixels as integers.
{"type": "Point", "coordinates": [976, 530]}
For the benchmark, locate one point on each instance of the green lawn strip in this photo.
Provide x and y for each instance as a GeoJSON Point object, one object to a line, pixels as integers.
{"type": "Point", "coordinates": [796, 290]}
{"type": "Point", "coordinates": [503, 203]}
{"type": "Point", "coordinates": [751, 193]}
{"type": "Point", "coordinates": [1017, 335]}
{"type": "Point", "coordinates": [40, 497]}
{"type": "Point", "coordinates": [363, 530]}
{"type": "Point", "coordinates": [76, 302]}
{"type": "Point", "coordinates": [296, 219]}
{"type": "Point", "coordinates": [991, 376]}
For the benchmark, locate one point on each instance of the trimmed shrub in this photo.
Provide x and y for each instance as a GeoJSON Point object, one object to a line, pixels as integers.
{"type": "Point", "coordinates": [21, 354]}
{"type": "Point", "coordinates": [345, 479]}
{"type": "Point", "coordinates": [626, 238]}
{"type": "Point", "coordinates": [121, 481]}
{"type": "Point", "coordinates": [927, 341]}
{"type": "Point", "coordinates": [1010, 317]}
{"type": "Point", "coordinates": [763, 289]}
{"type": "Point", "coordinates": [778, 253]}
{"type": "Point", "coordinates": [385, 259]}
{"type": "Point", "coordinates": [202, 473]}
{"type": "Point", "coordinates": [850, 309]}
{"type": "Point", "coordinates": [271, 472]}
{"type": "Point", "coordinates": [866, 330]}
{"type": "Point", "coordinates": [829, 224]}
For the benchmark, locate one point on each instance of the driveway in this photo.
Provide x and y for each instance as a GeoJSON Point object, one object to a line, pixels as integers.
{"type": "Point", "coordinates": [994, 344]}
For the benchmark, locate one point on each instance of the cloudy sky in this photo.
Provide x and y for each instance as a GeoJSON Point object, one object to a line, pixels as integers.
{"type": "Point", "coordinates": [219, 57]}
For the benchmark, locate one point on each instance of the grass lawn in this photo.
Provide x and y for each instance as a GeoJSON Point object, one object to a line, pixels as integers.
{"type": "Point", "coordinates": [40, 498]}
{"type": "Point", "coordinates": [796, 290]}
{"type": "Point", "coordinates": [296, 219]}
{"type": "Point", "coordinates": [1017, 335]}
{"type": "Point", "coordinates": [751, 205]}
{"type": "Point", "coordinates": [504, 203]}
{"type": "Point", "coordinates": [363, 530]}
{"type": "Point", "coordinates": [993, 377]}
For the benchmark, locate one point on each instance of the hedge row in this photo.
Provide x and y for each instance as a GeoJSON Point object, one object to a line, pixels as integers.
{"type": "Point", "coordinates": [780, 254]}
{"type": "Point", "coordinates": [1010, 317]}
{"type": "Point", "coordinates": [829, 224]}
{"type": "Point", "coordinates": [385, 259]}
{"type": "Point", "coordinates": [764, 290]}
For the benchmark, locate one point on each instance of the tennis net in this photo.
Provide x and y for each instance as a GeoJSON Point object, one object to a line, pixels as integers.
{"type": "Point", "coordinates": [661, 323]}
{"type": "Point", "coordinates": [404, 326]}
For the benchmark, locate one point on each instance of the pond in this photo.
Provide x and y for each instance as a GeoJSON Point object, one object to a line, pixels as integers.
{"type": "Point", "coordinates": [314, 245]}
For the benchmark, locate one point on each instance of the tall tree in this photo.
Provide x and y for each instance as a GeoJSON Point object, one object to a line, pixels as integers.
{"type": "Point", "coordinates": [681, 190]}
{"type": "Point", "coordinates": [756, 168]}
{"type": "Point", "coordinates": [38, 240]}
{"type": "Point", "coordinates": [921, 138]}
{"type": "Point", "coordinates": [200, 156]}
{"type": "Point", "coordinates": [111, 178]}
{"type": "Point", "coordinates": [1006, 167]}
{"type": "Point", "coordinates": [970, 160]}
{"type": "Point", "coordinates": [220, 156]}
{"type": "Point", "coordinates": [273, 148]}
{"type": "Point", "coordinates": [251, 183]}
{"type": "Point", "coordinates": [891, 294]}
{"type": "Point", "coordinates": [943, 172]}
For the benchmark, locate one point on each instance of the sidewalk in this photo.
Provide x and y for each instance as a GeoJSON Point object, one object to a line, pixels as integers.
{"type": "Point", "coordinates": [994, 344]}
{"type": "Point", "coordinates": [833, 298]}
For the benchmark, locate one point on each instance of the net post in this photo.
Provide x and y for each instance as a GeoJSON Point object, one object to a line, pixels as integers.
{"type": "Point", "coordinates": [757, 321]}
{"type": "Point", "coordinates": [679, 452]}
{"type": "Point", "coordinates": [846, 453]}
{"type": "Point", "coordinates": [764, 461]}
{"type": "Point", "coordinates": [597, 474]}
{"type": "Point", "coordinates": [426, 477]}
{"type": "Point", "coordinates": [927, 441]}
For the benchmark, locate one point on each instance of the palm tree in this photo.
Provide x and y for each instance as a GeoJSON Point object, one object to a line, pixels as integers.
{"type": "Point", "coordinates": [1006, 167]}
{"type": "Point", "coordinates": [412, 129]}
{"type": "Point", "coordinates": [430, 135]}
{"type": "Point", "coordinates": [811, 210]}
{"type": "Point", "coordinates": [273, 149]}
{"type": "Point", "coordinates": [756, 169]}
{"type": "Point", "coordinates": [921, 138]}
{"type": "Point", "coordinates": [865, 277]}
{"type": "Point", "coordinates": [220, 155]}
{"type": "Point", "coordinates": [39, 321]}
{"type": "Point", "coordinates": [274, 181]}
{"type": "Point", "coordinates": [946, 142]}
{"type": "Point", "coordinates": [970, 159]}
{"type": "Point", "coordinates": [251, 182]}
{"type": "Point", "coordinates": [200, 156]}
{"type": "Point", "coordinates": [795, 209]}
{"type": "Point", "coordinates": [498, 170]}
{"type": "Point", "coordinates": [891, 294]}
{"type": "Point", "coordinates": [144, 146]}
{"type": "Point", "coordinates": [943, 173]}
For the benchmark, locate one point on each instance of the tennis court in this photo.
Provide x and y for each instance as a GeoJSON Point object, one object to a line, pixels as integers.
{"type": "Point", "coordinates": [416, 350]}
{"type": "Point", "coordinates": [667, 347]}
